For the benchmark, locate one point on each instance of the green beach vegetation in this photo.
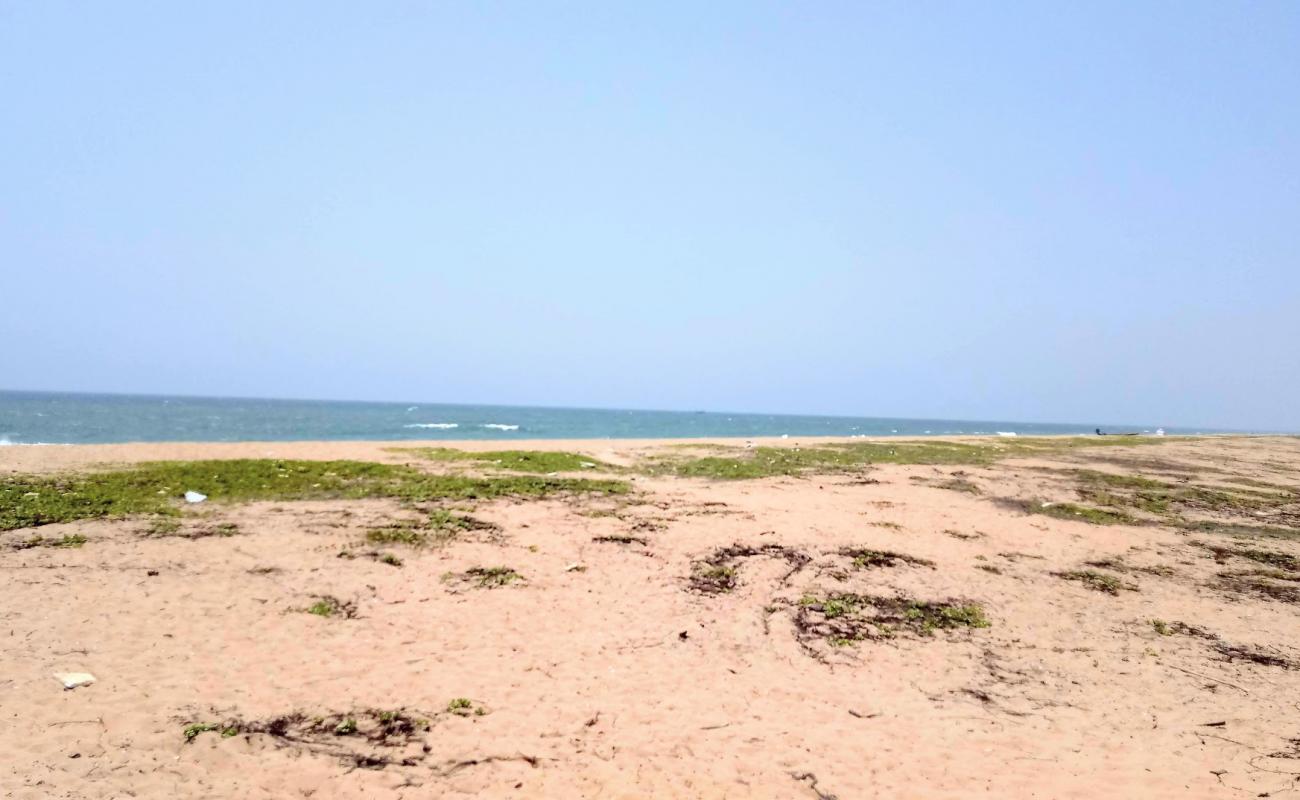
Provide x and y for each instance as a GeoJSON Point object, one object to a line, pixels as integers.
{"type": "Point", "coordinates": [157, 487]}
{"type": "Point", "coordinates": [541, 461]}
{"type": "Point", "coordinates": [738, 463]}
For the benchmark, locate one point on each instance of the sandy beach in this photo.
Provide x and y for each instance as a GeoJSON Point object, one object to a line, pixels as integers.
{"type": "Point", "coordinates": [1058, 622]}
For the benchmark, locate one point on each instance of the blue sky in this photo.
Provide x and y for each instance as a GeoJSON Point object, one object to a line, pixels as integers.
{"type": "Point", "coordinates": [1037, 211]}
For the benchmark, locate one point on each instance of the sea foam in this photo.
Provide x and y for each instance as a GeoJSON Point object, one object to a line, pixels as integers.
{"type": "Point", "coordinates": [497, 426]}
{"type": "Point", "coordinates": [440, 425]}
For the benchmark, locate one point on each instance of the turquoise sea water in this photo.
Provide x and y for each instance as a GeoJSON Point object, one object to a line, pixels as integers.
{"type": "Point", "coordinates": [61, 418]}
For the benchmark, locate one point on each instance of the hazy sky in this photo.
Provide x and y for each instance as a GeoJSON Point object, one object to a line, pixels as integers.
{"type": "Point", "coordinates": [1037, 211]}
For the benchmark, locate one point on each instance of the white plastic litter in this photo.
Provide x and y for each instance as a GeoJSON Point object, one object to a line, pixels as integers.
{"type": "Point", "coordinates": [195, 497]}
{"type": "Point", "coordinates": [1160, 431]}
{"type": "Point", "coordinates": [586, 464]}
{"type": "Point", "coordinates": [72, 680]}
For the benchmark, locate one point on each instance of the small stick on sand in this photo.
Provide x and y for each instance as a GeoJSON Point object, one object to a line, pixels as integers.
{"type": "Point", "coordinates": [1208, 678]}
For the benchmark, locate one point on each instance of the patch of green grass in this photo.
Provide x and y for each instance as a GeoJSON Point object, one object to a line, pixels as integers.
{"type": "Point", "coordinates": [191, 732]}
{"type": "Point", "coordinates": [846, 618]}
{"type": "Point", "coordinates": [1097, 581]}
{"type": "Point", "coordinates": [330, 606]}
{"type": "Point", "coordinates": [390, 559]}
{"type": "Point", "coordinates": [734, 463]}
{"type": "Point", "coordinates": [346, 728]}
{"type": "Point", "coordinates": [71, 540]}
{"type": "Point", "coordinates": [439, 527]}
{"type": "Point", "coordinates": [411, 534]}
{"type": "Point", "coordinates": [542, 461]}
{"type": "Point", "coordinates": [156, 487]}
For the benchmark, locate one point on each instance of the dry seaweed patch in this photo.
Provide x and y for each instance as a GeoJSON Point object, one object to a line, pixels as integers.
{"type": "Point", "coordinates": [391, 559]}
{"type": "Point", "coordinates": [1117, 564]}
{"type": "Point", "coordinates": [717, 574]}
{"type": "Point", "coordinates": [1239, 530]}
{"type": "Point", "coordinates": [1276, 580]}
{"type": "Point", "coordinates": [865, 558]}
{"type": "Point", "coordinates": [483, 577]}
{"type": "Point", "coordinates": [841, 618]}
{"type": "Point", "coordinates": [1227, 651]}
{"type": "Point", "coordinates": [958, 481]}
{"type": "Point", "coordinates": [1266, 586]}
{"type": "Point", "coordinates": [1271, 558]}
{"type": "Point", "coordinates": [1180, 628]}
{"type": "Point", "coordinates": [1097, 581]}
{"type": "Point", "coordinates": [620, 539]}
{"type": "Point", "coordinates": [364, 738]}
{"type": "Point", "coordinates": [1254, 655]}
{"type": "Point", "coordinates": [1175, 501]}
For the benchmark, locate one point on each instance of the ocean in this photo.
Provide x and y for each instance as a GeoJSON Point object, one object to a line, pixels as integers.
{"type": "Point", "coordinates": [64, 418]}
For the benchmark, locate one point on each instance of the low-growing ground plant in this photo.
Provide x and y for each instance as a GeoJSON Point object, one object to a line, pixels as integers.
{"type": "Point", "coordinates": [484, 577]}
{"type": "Point", "coordinates": [172, 527]}
{"type": "Point", "coordinates": [157, 487]}
{"type": "Point", "coordinates": [543, 461]}
{"type": "Point", "coordinates": [69, 540]}
{"type": "Point", "coordinates": [865, 558]}
{"type": "Point", "coordinates": [621, 539]}
{"type": "Point", "coordinates": [330, 606]}
{"type": "Point", "coordinates": [366, 738]}
{"type": "Point", "coordinates": [438, 527]}
{"type": "Point", "coordinates": [840, 618]}
{"type": "Point", "coordinates": [734, 463]}
{"type": "Point", "coordinates": [1097, 581]}
{"type": "Point", "coordinates": [464, 707]}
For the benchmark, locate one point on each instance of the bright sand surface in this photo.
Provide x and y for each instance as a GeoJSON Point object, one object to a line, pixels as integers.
{"type": "Point", "coordinates": [603, 673]}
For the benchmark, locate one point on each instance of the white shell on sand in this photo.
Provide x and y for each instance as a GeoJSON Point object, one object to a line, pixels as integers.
{"type": "Point", "coordinates": [72, 680]}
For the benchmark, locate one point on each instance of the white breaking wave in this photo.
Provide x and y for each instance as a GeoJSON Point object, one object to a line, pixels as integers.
{"type": "Point", "coordinates": [440, 425]}
{"type": "Point", "coordinates": [497, 426]}
{"type": "Point", "coordinates": [4, 442]}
